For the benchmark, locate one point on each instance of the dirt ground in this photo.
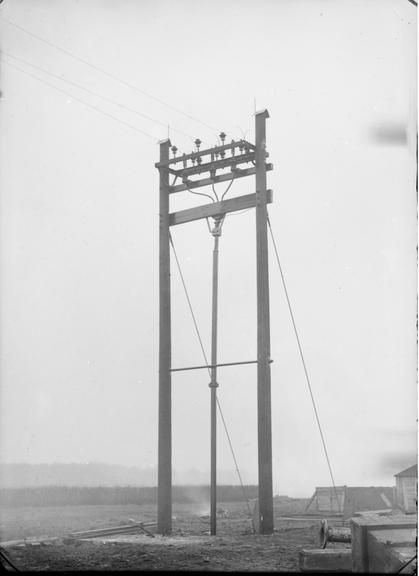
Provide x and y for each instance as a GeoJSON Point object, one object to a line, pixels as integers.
{"type": "Point", "coordinates": [190, 547]}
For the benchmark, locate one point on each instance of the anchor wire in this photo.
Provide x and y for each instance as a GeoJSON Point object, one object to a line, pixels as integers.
{"type": "Point", "coordinates": [7, 560]}
{"type": "Point", "coordinates": [304, 366]}
{"type": "Point", "coordinates": [406, 564]}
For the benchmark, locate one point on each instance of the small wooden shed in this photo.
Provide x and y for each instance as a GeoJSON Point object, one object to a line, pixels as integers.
{"type": "Point", "coordinates": [407, 489]}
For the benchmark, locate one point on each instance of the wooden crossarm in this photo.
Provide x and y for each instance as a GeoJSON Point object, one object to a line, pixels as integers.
{"type": "Point", "coordinates": [217, 208]}
{"type": "Point", "coordinates": [214, 150]}
{"type": "Point", "coordinates": [236, 173]}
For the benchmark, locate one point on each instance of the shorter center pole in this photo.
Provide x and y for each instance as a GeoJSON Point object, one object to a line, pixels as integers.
{"type": "Point", "coordinates": [216, 232]}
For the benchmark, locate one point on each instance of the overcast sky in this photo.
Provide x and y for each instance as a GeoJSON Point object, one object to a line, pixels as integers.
{"type": "Point", "coordinates": [79, 232]}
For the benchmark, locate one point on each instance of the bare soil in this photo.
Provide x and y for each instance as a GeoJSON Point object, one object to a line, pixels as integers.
{"type": "Point", "coordinates": [190, 547]}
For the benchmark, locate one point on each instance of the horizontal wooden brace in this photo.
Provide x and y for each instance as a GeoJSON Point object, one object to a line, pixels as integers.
{"type": "Point", "coordinates": [215, 150]}
{"type": "Point", "coordinates": [236, 173]}
{"type": "Point", "coordinates": [215, 209]}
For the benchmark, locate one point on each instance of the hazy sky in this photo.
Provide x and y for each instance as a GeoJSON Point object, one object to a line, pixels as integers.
{"type": "Point", "coordinates": [79, 232]}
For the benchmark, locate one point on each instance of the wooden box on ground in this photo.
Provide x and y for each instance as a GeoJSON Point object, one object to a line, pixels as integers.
{"type": "Point", "coordinates": [326, 560]}
{"type": "Point", "coordinates": [382, 544]}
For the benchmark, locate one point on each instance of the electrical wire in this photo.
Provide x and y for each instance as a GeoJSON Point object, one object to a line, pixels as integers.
{"type": "Point", "coordinates": [215, 193]}
{"type": "Point", "coordinates": [81, 101]}
{"type": "Point", "coordinates": [225, 192]}
{"type": "Point", "coordinates": [201, 194]}
{"type": "Point", "coordinates": [304, 365]}
{"type": "Point", "coordinates": [81, 87]}
{"type": "Point", "coordinates": [227, 189]}
{"type": "Point", "coordinates": [209, 371]}
{"type": "Point", "coordinates": [240, 212]}
{"type": "Point", "coordinates": [106, 73]}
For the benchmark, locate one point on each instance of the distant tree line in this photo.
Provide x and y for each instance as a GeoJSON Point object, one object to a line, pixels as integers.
{"type": "Point", "coordinates": [84, 495]}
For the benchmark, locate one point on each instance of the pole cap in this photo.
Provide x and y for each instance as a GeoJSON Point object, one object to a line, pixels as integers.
{"type": "Point", "coordinates": [263, 112]}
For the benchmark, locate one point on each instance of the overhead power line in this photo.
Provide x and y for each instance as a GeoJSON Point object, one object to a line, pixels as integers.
{"type": "Point", "coordinates": [93, 93]}
{"type": "Point", "coordinates": [81, 101]}
{"type": "Point", "coordinates": [108, 74]}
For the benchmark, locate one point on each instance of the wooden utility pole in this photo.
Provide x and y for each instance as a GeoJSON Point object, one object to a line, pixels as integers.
{"type": "Point", "coordinates": [164, 496]}
{"type": "Point", "coordinates": [216, 232]}
{"type": "Point", "coordinates": [266, 520]}
{"type": "Point", "coordinates": [214, 162]}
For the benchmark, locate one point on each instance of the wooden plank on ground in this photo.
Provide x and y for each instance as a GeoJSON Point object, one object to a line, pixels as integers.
{"type": "Point", "coordinates": [113, 530]}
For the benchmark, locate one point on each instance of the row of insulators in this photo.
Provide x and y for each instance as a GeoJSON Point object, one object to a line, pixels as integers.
{"type": "Point", "coordinates": [197, 160]}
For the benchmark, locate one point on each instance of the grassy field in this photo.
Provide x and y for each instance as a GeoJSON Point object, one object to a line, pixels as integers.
{"type": "Point", "coordinates": [29, 521]}
{"type": "Point", "coordinates": [55, 512]}
{"type": "Point", "coordinates": [36, 521]}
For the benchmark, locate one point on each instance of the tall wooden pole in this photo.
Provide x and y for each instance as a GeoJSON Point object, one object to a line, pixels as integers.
{"type": "Point", "coordinates": [216, 232]}
{"type": "Point", "coordinates": [164, 496]}
{"type": "Point", "coordinates": [266, 520]}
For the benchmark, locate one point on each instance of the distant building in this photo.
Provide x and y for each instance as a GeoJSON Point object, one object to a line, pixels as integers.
{"type": "Point", "coordinates": [348, 500]}
{"type": "Point", "coordinates": [406, 492]}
